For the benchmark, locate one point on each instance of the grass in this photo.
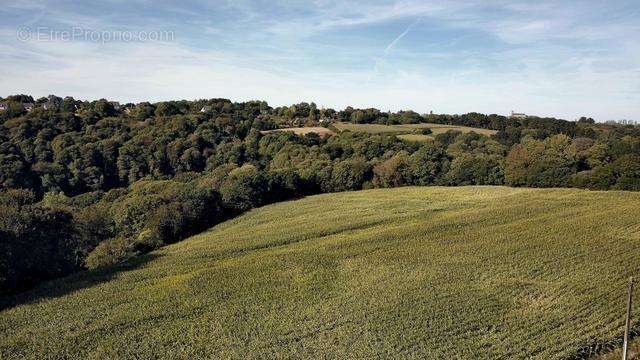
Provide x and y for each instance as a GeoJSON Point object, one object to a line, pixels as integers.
{"type": "Point", "coordinates": [408, 128]}
{"type": "Point", "coordinates": [415, 137]}
{"type": "Point", "coordinates": [469, 272]}
{"type": "Point", "coordinates": [304, 130]}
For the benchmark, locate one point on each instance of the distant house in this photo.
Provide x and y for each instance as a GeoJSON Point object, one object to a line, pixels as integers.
{"type": "Point", "coordinates": [515, 115]}
{"type": "Point", "coordinates": [115, 104]}
{"type": "Point", "coordinates": [28, 106]}
{"type": "Point", "coordinates": [205, 109]}
{"type": "Point", "coordinates": [4, 106]}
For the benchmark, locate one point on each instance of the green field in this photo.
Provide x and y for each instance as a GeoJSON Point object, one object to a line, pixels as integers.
{"type": "Point", "coordinates": [304, 130]}
{"type": "Point", "coordinates": [469, 272]}
{"type": "Point", "coordinates": [415, 137]}
{"type": "Point", "coordinates": [408, 128]}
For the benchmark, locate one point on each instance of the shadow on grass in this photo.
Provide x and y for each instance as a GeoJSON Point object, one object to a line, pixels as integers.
{"type": "Point", "coordinates": [69, 284]}
{"type": "Point", "coordinates": [604, 347]}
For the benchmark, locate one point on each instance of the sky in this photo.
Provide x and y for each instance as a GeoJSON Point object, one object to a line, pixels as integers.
{"type": "Point", "coordinates": [549, 58]}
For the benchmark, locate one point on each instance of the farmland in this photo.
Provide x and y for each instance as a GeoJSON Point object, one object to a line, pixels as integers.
{"type": "Point", "coordinates": [408, 128]}
{"type": "Point", "coordinates": [304, 130]}
{"type": "Point", "coordinates": [431, 272]}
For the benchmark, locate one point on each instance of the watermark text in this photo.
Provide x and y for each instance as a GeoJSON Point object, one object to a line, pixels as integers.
{"type": "Point", "coordinates": [44, 34]}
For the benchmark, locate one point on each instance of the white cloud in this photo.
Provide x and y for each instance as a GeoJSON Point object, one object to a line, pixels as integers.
{"type": "Point", "coordinates": [546, 59]}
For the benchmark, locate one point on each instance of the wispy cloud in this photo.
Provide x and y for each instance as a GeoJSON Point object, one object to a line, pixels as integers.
{"type": "Point", "coordinates": [547, 57]}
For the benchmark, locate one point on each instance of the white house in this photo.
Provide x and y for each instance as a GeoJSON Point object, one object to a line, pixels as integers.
{"type": "Point", "coordinates": [515, 115]}
{"type": "Point", "coordinates": [4, 106]}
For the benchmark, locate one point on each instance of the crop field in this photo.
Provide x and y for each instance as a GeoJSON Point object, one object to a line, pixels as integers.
{"type": "Point", "coordinates": [433, 272]}
{"type": "Point", "coordinates": [408, 128]}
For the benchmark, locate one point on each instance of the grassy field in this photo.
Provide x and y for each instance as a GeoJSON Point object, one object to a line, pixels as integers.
{"type": "Point", "coordinates": [408, 128]}
{"type": "Point", "coordinates": [304, 130]}
{"type": "Point", "coordinates": [469, 272]}
{"type": "Point", "coordinates": [415, 137]}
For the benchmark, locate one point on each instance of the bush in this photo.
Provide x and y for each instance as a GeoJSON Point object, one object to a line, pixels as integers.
{"type": "Point", "coordinates": [131, 214]}
{"type": "Point", "coordinates": [110, 252]}
{"type": "Point", "coordinates": [167, 223]}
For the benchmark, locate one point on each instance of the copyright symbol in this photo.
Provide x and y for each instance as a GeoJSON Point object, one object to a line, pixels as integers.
{"type": "Point", "coordinates": [23, 33]}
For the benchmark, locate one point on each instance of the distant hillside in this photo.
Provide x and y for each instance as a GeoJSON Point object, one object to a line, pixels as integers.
{"type": "Point", "coordinates": [433, 272]}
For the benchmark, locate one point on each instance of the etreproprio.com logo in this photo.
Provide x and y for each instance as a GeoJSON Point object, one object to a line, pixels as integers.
{"type": "Point", "coordinates": [43, 33]}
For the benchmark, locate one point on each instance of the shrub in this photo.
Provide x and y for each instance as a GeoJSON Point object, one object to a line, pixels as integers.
{"type": "Point", "coordinates": [167, 223]}
{"type": "Point", "coordinates": [131, 214]}
{"type": "Point", "coordinates": [110, 252]}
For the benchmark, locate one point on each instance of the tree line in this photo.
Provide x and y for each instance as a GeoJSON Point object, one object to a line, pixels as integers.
{"type": "Point", "coordinates": [85, 184]}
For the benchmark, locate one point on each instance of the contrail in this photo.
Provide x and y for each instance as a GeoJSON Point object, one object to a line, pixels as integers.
{"type": "Point", "coordinates": [379, 61]}
{"type": "Point", "coordinates": [395, 41]}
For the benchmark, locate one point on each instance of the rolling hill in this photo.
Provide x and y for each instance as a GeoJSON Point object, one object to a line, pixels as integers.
{"type": "Point", "coordinates": [468, 272]}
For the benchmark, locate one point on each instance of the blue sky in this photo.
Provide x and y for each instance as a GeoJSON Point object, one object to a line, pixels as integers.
{"type": "Point", "coordinates": [549, 58]}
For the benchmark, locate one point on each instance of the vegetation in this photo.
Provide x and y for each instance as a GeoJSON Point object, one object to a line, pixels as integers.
{"type": "Point", "coordinates": [422, 128]}
{"type": "Point", "coordinates": [415, 137]}
{"type": "Point", "coordinates": [305, 130]}
{"type": "Point", "coordinates": [84, 185]}
{"type": "Point", "coordinates": [430, 272]}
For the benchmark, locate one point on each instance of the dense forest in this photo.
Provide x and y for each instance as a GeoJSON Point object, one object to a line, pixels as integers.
{"type": "Point", "coordinates": [85, 185]}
